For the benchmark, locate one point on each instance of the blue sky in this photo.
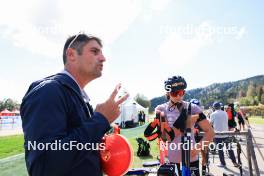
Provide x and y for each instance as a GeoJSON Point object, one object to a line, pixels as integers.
{"type": "Point", "coordinates": [145, 42]}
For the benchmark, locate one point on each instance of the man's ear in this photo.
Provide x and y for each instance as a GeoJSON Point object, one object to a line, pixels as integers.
{"type": "Point", "coordinates": [70, 54]}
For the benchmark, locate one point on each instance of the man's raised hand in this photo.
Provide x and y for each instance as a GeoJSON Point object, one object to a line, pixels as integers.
{"type": "Point", "coordinates": [111, 107]}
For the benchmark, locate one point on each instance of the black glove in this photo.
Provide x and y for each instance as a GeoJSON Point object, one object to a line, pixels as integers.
{"type": "Point", "coordinates": [180, 123]}
{"type": "Point", "coordinates": [157, 115]}
{"type": "Point", "coordinates": [149, 132]}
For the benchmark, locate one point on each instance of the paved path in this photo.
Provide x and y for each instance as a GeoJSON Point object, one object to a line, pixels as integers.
{"type": "Point", "coordinates": [258, 133]}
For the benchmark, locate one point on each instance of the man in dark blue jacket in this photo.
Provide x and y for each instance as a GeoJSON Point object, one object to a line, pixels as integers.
{"type": "Point", "coordinates": [62, 132]}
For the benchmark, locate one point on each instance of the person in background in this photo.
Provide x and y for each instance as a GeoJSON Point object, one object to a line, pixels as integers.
{"type": "Point", "coordinates": [143, 117]}
{"type": "Point", "coordinates": [231, 116]}
{"type": "Point", "coordinates": [140, 117]}
{"type": "Point", "coordinates": [219, 121]}
{"type": "Point", "coordinates": [241, 118]}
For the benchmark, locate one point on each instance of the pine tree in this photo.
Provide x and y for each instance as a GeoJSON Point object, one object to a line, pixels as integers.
{"type": "Point", "coordinates": [251, 92]}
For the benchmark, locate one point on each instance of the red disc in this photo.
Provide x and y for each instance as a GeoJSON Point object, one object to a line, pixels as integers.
{"type": "Point", "coordinates": [117, 156]}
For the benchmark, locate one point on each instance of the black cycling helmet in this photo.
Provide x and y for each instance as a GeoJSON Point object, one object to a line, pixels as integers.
{"type": "Point", "coordinates": [175, 83]}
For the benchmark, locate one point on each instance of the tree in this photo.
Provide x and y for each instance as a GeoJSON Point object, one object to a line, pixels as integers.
{"type": "Point", "coordinates": [259, 92]}
{"type": "Point", "coordinates": [244, 101]}
{"type": "Point", "coordinates": [262, 99]}
{"type": "Point", "coordinates": [9, 104]}
{"type": "Point", "coordinates": [253, 100]}
{"type": "Point", "coordinates": [241, 94]}
{"type": "Point", "coordinates": [251, 91]}
{"type": "Point", "coordinates": [2, 105]}
{"type": "Point", "coordinates": [142, 100]}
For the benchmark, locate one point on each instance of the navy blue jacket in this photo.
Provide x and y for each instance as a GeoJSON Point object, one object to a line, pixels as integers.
{"type": "Point", "coordinates": [53, 109]}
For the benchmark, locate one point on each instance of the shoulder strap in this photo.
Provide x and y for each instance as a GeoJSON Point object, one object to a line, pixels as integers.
{"type": "Point", "coordinates": [189, 114]}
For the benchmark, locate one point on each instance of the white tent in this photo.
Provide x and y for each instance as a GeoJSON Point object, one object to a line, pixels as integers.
{"type": "Point", "coordinates": [129, 112]}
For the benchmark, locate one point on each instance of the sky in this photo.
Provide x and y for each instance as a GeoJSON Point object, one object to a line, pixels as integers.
{"type": "Point", "coordinates": [145, 42]}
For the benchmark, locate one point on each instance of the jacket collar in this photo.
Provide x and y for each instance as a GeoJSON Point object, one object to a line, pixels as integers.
{"type": "Point", "coordinates": [84, 95]}
{"type": "Point", "coordinates": [66, 81]}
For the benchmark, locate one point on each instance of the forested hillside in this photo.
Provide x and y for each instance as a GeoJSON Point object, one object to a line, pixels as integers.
{"type": "Point", "coordinates": [247, 92]}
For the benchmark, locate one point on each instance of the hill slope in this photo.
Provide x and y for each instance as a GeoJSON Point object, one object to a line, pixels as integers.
{"type": "Point", "coordinates": [248, 91]}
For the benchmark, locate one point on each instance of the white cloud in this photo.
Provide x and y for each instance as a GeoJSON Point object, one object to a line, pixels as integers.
{"type": "Point", "coordinates": [105, 18]}
{"type": "Point", "coordinates": [11, 89]}
{"type": "Point", "coordinates": [177, 48]}
{"type": "Point", "coordinates": [34, 26]}
{"type": "Point", "coordinates": [41, 27]}
{"type": "Point", "coordinates": [159, 5]}
{"type": "Point", "coordinates": [152, 8]}
{"type": "Point", "coordinates": [241, 33]}
{"type": "Point", "coordinates": [14, 12]}
{"type": "Point", "coordinates": [183, 45]}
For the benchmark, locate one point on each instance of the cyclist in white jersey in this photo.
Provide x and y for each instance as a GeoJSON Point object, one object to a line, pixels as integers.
{"type": "Point", "coordinates": [175, 111]}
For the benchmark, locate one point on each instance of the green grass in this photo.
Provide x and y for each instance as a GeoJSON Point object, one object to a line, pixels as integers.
{"type": "Point", "coordinates": [133, 133]}
{"type": "Point", "coordinates": [256, 120]}
{"type": "Point", "coordinates": [138, 161]}
{"type": "Point", "coordinates": [11, 145]}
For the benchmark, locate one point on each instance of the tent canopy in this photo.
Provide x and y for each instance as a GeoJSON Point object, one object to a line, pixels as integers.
{"type": "Point", "coordinates": [129, 111]}
{"type": "Point", "coordinates": [6, 112]}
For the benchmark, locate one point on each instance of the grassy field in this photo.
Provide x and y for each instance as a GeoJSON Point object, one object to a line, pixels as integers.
{"type": "Point", "coordinates": [11, 145]}
{"type": "Point", "coordinates": [131, 135]}
{"type": "Point", "coordinates": [256, 120]}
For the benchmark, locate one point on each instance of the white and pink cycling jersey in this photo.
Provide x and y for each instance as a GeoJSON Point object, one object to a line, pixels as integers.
{"type": "Point", "coordinates": [171, 114]}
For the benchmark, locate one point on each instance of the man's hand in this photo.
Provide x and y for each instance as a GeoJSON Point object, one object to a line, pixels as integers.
{"type": "Point", "coordinates": [110, 108]}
